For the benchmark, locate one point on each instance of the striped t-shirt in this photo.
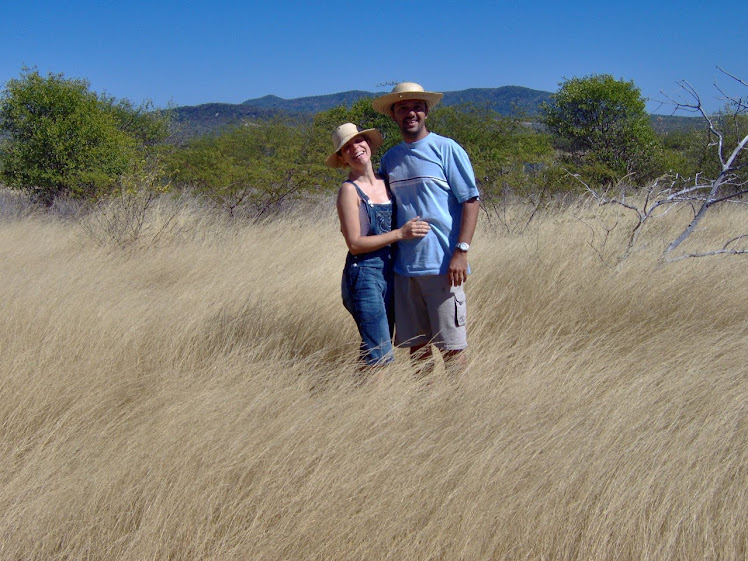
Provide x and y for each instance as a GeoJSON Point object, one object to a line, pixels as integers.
{"type": "Point", "coordinates": [430, 178]}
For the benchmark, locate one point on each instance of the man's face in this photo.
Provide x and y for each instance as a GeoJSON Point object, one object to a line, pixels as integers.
{"type": "Point", "coordinates": [410, 116]}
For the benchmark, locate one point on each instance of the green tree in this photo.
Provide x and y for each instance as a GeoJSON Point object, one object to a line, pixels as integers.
{"type": "Point", "coordinates": [146, 124]}
{"type": "Point", "coordinates": [501, 148]}
{"type": "Point", "coordinates": [362, 114]}
{"type": "Point", "coordinates": [259, 165]}
{"type": "Point", "coordinates": [603, 125]}
{"type": "Point", "coordinates": [696, 151]}
{"type": "Point", "coordinates": [254, 167]}
{"type": "Point", "coordinates": [511, 159]}
{"type": "Point", "coordinates": [729, 128]}
{"type": "Point", "coordinates": [63, 139]}
{"type": "Point", "coordinates": [686, 151]}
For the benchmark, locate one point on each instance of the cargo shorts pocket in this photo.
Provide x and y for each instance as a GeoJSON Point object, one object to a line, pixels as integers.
{"type": "Point", "coordinates": [460, 309]}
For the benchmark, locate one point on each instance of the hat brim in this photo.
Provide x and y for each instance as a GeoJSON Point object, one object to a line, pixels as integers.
{"type": "Point", "coordinates": [383, 104]}
{"type": "Point", "coordinates": [373, 136]}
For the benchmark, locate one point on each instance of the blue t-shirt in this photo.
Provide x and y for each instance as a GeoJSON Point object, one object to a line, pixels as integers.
{"type": "Point", "coordinates": [430, 178]}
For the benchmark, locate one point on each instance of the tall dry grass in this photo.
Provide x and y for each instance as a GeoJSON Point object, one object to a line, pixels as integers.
{"type": "Point", "coordinates": [197, 398]}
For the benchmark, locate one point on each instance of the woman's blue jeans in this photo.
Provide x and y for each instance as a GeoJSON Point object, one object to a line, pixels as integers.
{"type": "Point", "coordinates": [368, 295]}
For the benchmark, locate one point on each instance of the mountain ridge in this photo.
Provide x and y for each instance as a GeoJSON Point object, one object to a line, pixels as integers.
{"type": "Point", "coordinates": [514, 101]}
{"type": "Point", "coordinates": [505, 100]}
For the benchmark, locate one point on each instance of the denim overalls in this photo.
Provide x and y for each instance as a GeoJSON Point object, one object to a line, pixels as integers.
{"type": "Point", "coordinates": [367, 288]}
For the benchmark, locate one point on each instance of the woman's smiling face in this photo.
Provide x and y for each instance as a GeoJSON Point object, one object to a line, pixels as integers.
{"type": "Point", "coordinates": [356, 152]}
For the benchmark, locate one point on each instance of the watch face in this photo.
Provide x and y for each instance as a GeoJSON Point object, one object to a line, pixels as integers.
{"type": "Point", "coordinates": [462, 246]}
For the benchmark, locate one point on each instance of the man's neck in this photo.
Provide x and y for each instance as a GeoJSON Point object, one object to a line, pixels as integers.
{"type": "Point", "coordinates": [420, 136]}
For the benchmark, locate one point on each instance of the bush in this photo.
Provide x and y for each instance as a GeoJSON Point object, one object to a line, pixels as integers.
{"type": "Point", "coordinates": [504, 151]}
{"type": "Point", "coordinates": [361, 114]}
{"type": "Point", "coordinates": [255, 167]}
{"type": "Point", "coordinates": [63, 139]}
{"type": "Point", "coordinates": [603, 122]}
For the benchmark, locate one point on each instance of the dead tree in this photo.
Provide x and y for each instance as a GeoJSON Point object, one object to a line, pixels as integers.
{"type": "Point", "coordinates": [699, 192]}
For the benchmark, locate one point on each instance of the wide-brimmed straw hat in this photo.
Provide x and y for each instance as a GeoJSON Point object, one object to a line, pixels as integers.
{"type": "Point", "coordinates": [346, 132]}
{"type": "Point", "coordinates": [402, 92]}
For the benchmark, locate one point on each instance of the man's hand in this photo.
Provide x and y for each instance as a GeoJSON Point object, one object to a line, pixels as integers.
{"type": "Point", "coordinates": [458, 268]}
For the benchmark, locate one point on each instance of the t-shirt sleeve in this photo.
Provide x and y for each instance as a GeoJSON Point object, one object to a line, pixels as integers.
{"type": "Point", "coordinates": [459, 172]}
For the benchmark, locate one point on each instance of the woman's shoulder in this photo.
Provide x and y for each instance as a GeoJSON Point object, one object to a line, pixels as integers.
{"type": "Point", "coordinates": [375, 191]}
{"type": "Point", "coordinates": [347, 186]}
{"type": "Point", "coordinates": [348, 192]}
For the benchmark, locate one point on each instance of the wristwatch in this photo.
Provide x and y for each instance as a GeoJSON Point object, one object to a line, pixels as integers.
{"type": "Point", "coordinates": [462, 246]}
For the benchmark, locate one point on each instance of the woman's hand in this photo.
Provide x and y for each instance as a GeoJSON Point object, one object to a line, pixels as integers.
{"type": "Point", "coordinates": [414, 228]}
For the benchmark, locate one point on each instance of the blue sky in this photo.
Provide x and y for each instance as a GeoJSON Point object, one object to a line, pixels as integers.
{"type": "Point", "coordinates": [187, 53]}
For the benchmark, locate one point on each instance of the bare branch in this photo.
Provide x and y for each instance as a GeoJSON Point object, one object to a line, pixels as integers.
{"type": "Point", "coordinates": [729, 197]}
{"type": "Point", "coordinates": [699, 193]}
{"type": "Point", "coordinates": [734, 240]}
{"type": "Point", "coordinates": [708, 254]}
{"type": "Point", "coordinates": [738, 80]}
{"type": "Point", "coordinates": [735, 153]}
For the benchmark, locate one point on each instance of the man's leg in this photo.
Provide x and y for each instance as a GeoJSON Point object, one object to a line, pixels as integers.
{"type": "Point", "coordinates": [455, 362]}
{"type": "Point", "coordinates": [420, 352]}
{"type": "Point", "coordinates": [448, 315]}
{"type": "Point", "coordinates": [412, 327]}
{"type": "Point", "coordinates": [428, 310]}
{"type": "Point", "coordinates": [421, 358]}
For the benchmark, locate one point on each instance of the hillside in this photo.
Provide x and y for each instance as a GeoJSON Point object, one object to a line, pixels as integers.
{"type": "Point", "coordinates": [212, 117]}
{"type": "Point", "coordinates": [196, 120]}
{"type": "Point", "coordinates": [313, 104]}
{"type": "Point", "coordinates": [505, 100]}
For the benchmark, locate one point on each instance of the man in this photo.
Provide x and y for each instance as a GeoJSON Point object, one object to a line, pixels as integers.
{"type": "Point", "coordinates": [430, 177]}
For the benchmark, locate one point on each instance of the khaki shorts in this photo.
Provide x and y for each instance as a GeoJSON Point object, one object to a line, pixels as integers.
{"type": "Point", "coordinates": [429, 310]}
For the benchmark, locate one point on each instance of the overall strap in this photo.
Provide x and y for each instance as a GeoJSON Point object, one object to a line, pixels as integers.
{"type": "Point", "coordinates": [359, 191]}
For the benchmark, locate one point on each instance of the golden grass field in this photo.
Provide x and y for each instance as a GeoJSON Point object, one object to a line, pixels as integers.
{"type": "Point", "coordinates": [196, 397]}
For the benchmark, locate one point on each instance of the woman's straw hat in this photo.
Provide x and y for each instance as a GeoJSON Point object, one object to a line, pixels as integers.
{"type": "Point", "coordinates": [346, 132]}
{"type": "Point", "coordinates": [404, 91]}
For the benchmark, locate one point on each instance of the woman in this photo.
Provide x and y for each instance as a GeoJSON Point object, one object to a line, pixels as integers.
{"type": "Point", "coordinates": [365, 212]}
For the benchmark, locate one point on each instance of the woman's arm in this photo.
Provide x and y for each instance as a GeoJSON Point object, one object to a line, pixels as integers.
{"type": "Point", "coordinates": [350, 225]}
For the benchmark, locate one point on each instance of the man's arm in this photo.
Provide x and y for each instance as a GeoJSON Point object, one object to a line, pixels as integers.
{"type": "Point", "coordinates": [458, 266]}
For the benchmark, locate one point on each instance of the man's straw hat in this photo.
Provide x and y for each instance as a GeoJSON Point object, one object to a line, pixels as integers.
{"type": "Point", "coordinates": [404, 91]}
{"type": "Point", "coordinates": [346, 132]}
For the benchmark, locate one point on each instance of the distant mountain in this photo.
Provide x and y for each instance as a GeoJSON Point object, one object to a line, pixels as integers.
{"type": "Point", "coordinates": [195, 120]}
{"type": "Point", "coordinates": [313, 104]}
{"type": "Point", "coordinates": [189, 121]}
{"type": "Point", "coordinates": [506, 100]}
